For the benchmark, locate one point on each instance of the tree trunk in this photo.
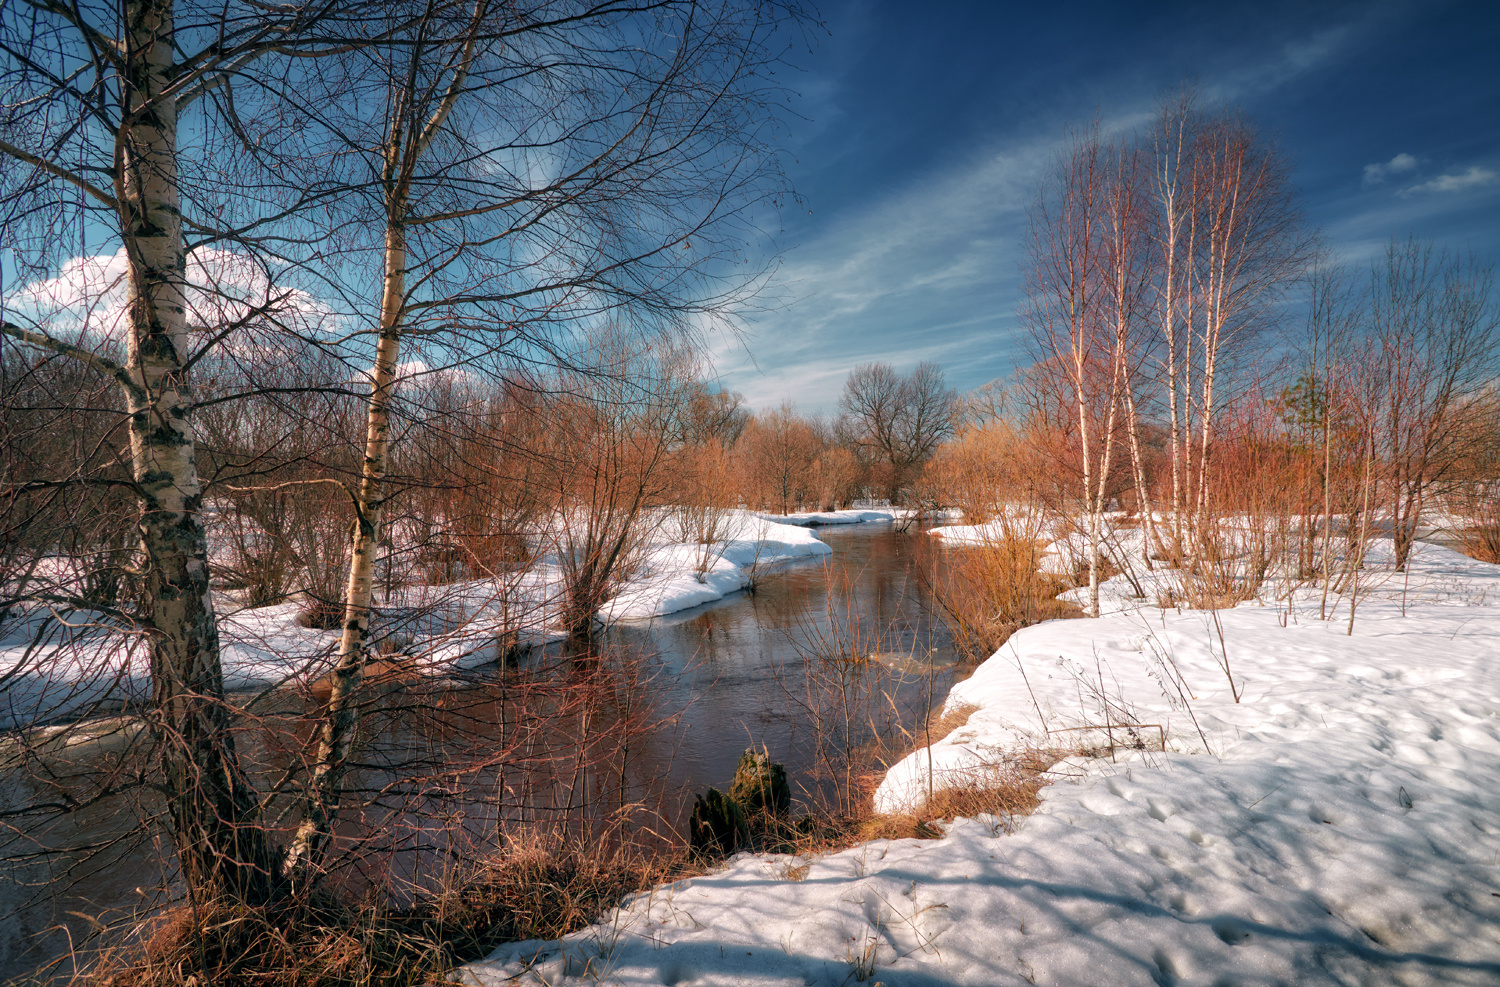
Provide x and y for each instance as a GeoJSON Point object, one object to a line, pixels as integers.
{"type": "Point", "coordinates": [1138, 472]}
{"type": "Point", "coordinates": [213, 809]}
{"type": "Point", "coordinates": [341, 723]}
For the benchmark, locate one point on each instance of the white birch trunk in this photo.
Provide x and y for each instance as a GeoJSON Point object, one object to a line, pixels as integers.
{"type": "Point", "coordinates": [340, 724]}
{"type": "Point", "coordinates": [213, 809]}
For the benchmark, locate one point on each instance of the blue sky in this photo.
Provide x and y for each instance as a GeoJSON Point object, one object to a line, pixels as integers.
{"type": "Point", "coordinates": [925, 126]}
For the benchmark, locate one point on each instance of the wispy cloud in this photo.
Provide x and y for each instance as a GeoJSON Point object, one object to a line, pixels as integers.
{"type": "Point", "coordinates": [1294, 60]}
{"type": "Point", "coordinates": [1376, 174]}
{"type": "Point", "coordinates": [892, 280]}
{"type": "Point", "coordinates": [932, 269]}
{"type": "Point", "coordinates": [1475, 177]}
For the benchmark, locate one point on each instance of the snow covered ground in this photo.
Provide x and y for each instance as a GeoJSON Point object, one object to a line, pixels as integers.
{"type": "Point", "coordinates": [72, 661]}
{"type": "Point", "coordinates": [669, 581]}
{"type": "Point", "coordinates": [1339, 824]}
{"type": "Point", "coordinates": [813, 519]}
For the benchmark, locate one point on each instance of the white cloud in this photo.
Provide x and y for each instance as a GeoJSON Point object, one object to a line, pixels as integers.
{"type": "Point", "coordinates": [1295, 59]}
{"type": "Point", "coordinates": [1376, 174]}
{"type": "Point", "coordinates": [1475, 177]}
{"type": "Point", "coordinates": [86, 300]}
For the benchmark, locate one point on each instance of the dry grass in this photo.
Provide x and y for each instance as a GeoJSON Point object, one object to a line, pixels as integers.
{"type": "Point", "coordinates": [945, 720]}
{"type": "Point", "coordinates": [534, 889]}
{"type": "Point", "coordinates": [987, 592]}
{"type": "Point", "coordinates": [539, 889]}
{"type": "Point", "coordinates": [297, 943]}
{"type": "Point", "coordinates": [1007, 793]}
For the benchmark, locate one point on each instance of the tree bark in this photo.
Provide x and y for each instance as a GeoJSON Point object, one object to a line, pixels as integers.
{"type": "Point", "coordinates": [340, 724]}
{"type": "Point", "coordinates": [214, 811]}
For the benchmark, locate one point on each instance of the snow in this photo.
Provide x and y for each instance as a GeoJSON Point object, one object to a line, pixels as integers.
{"type": "Point", "coordinates": [809, 519]}
{"type": "Point", "coordinates": [670, 580]}
{"type": "Point", "coordinates": [1340, 824]}
{"type": "Point", "coordinates": [70, 662]}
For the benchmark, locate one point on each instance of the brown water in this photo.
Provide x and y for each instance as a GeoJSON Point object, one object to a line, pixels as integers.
{"type": "Point", "coordinates": [558, 741]}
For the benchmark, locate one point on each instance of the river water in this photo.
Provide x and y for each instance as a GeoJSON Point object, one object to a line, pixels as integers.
{"type": "Point", "coordinates": [736, 668]}
{"type": "Point", "coordinates": [699, 687]}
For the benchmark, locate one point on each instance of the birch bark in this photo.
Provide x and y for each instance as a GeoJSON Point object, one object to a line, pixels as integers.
{"type": "Point", "coordinates": [407, 140]}
{"type": "Point", "coordinates": [212, 806]}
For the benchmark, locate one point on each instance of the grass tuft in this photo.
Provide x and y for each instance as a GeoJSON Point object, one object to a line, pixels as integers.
{"type": "Point", "coordinates": [536, 888]}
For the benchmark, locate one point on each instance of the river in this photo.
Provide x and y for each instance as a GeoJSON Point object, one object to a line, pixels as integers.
{"type": "Point", "coordinates": [697, 689]}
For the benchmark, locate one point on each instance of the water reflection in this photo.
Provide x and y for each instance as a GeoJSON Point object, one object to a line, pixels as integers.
{"type": "Point", "coordinates": [564, 739]}
{"type": "Point", "coordinates": [735, 667]}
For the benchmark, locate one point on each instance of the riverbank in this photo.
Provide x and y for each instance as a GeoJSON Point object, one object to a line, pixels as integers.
{"type": "Point", "coordinates": [1326, 811]}
{"type": "Point", "coordinates": [74, 663]}
{"type": "Point", "coordinates": [726, 676]}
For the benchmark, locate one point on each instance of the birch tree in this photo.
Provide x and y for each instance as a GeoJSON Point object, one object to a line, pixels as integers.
{"type": "Point", "coordinates": [1068, 316]}
{"type": "Point", "coordinates": [541, 169]}
{"type": "Point", "coordinates": [100, 102]}
{"type": "Point", "coordinates": [1230, 243]}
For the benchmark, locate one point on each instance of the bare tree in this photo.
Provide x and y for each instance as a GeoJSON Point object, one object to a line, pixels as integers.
{"type": "Point", "coordinates": [540, 170]}
{"type": "Point", "coordinates": [97, 99]}
{"type": "Point", "coordinates": [1230, 243]}
{"type": "Point", "coordinates": [1126, 260]}
{"type": "Point", "coordinates": [895, 420]}
{"type": "Point", "coordinates": [1433, 326]}
{"type": "Point", "coordinates": [1078, 315]}
{"type": "Point", "coordinates": [543, 168]}
{"type": "Point", "coordinates": [715, 416]}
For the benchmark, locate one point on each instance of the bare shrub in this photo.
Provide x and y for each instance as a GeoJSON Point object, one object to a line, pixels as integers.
{"type": "Point", "coordinates": [776, 457]}
{"type": "Point", "coordinates": [608, 448]}
{"type": "Point", "coordinates": [1478, 531]}
{"type": "Point", "coordinates": [840, 675]}
{"type": "Point", "coordinates": [987, 592]}
{"type": "Point", "coordinates": [982, 469]}
{"type": "Point", "coordinates": [837, 478]}
{"type": "Point", "coordinates": [703, 501]}
{"type": "Point", "coordinates": [319, 532]}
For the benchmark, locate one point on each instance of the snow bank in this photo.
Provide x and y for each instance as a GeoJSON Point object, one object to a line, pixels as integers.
{"type": "Point", "coordinates": [73, 662]}
{"type": "Point", "coordinates": [810, 519]}
{"type": "Point", "coordinates": [670, 578]}
{"type": "Point", "coordinates": [1340, 824]}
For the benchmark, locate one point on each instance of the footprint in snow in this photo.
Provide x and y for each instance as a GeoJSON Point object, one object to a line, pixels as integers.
{"type": "Point", "coordinates": [1171, 967]}
{"type": "Point", "coordinates": [1231, 930]}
